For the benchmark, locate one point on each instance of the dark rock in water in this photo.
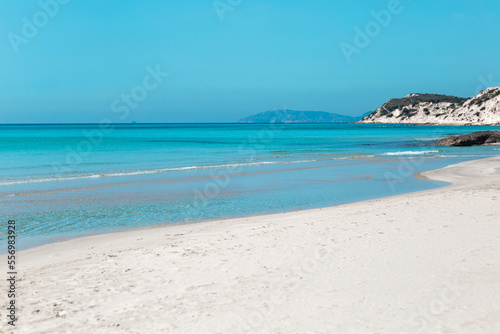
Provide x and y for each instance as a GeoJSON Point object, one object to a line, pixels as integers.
{"type": "Point", "coordinates": [472, 139]}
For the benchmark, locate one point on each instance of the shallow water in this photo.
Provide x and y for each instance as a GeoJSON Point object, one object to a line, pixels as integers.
{"type": "Point", "coordinates": [59, 181]}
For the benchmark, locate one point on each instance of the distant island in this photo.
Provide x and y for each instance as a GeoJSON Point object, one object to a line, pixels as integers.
{"type": "Point", "coordinates": [483, 109]}
{"type": "Point", "coordinates": [293, 116]}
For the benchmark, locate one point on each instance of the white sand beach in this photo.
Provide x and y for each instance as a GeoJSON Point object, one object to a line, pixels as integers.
{"type": "Point", "coordinates": [426, 262]}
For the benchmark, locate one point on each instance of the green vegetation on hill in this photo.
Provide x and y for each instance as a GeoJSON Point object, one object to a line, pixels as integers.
{"type": "Point", "coordinates": [488, 95]}
{"type": "Point", "coordinates": [414, 99]}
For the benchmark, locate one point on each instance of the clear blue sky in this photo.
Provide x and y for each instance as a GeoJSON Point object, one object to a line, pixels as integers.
{"type": "Point", "coordinates": [263, 55]}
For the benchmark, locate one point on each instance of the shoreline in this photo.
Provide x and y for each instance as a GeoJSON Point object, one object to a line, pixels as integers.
{"type": "Point", "coordinates": [35, 241]}
{"type": "Point", "coordinates": [424, 176]}
{"type": "Point", "coordinates": [368, 265]}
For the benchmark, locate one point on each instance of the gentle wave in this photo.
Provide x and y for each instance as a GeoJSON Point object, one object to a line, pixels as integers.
{"type": "Point", "coordinates": [426, 138]}
{"type": "Point", "coordinates": [410, 152]}
{"type": "Point", "coordinates": [150, 171]}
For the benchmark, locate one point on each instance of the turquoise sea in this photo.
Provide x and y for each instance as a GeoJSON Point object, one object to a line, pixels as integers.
{"type": "Point", "coordinates": [61, 181]}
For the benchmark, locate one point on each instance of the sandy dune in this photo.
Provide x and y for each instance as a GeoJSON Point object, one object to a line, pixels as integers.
{"type": "Point", "coordinates": [426, 262]}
